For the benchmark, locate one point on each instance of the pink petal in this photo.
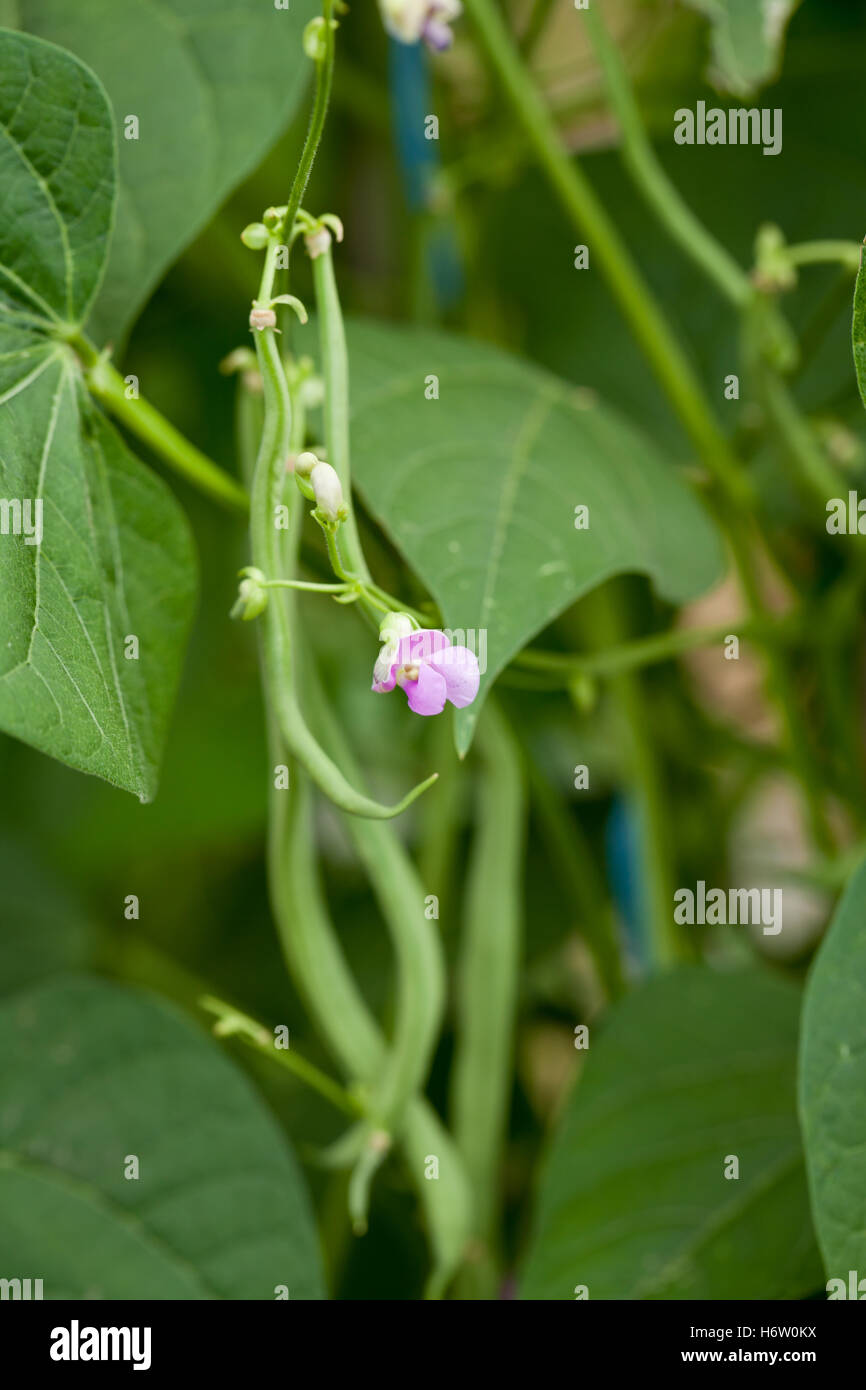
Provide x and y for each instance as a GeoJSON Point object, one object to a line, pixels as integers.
{"type": "Point", "coordinates": [420, 646]}
{"type": "Point", "coordinates": [459, 668]}
{"type": "Point", "coordinates": [384, 675]}
{"type": "Point", "coordinates": [427, 694]}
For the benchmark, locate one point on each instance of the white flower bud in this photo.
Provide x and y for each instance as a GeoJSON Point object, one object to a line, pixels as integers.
{"type": "Point", "coordinates": [305, 463]}
{"type": "Point", "coordinates": [329, 492]}
{"type": "Point", "coordinates": [317, 242]}
{"type": "Point", "coordinates": [262, 318]}
{"type": "Point", "coordinates": [252, 596]}
{"type": "Point", "coordinates": [394, 626]}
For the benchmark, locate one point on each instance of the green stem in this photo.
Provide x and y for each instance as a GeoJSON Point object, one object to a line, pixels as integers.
{"type": "Point", "coordinates": [267, 497]}
{"type": "Point", "coordinates": [317, 964]}
{"type": "Point", "coordinates": [572, 860]}
{"type": "Point", "coordinates": [147, 424]}
{"type": "Point", "coordinates": [305, 586]}
{"type": "Point", "coordinates": [648, 651]}
{"type": "Point", "coordinates": [669, 361]}
{"type": "Point", "coordinates": [656, 850]}
{"type": "Point", "coordinates": [693, 238]}
{"type": "Point", "coordinates": [335, 372]}
{"type": "Point", "coordinates": [541, 10]}
{"type": "Point", "coordinates": [845, 253]}
{"type": "Point", "coordinates": [661, 194]}
{"type": "Point", "coordinates": [487, 986]}
{"type": "Point", "coordinates": [418, 952]}
{"type": "Point", "coordinates": [318, 115]}
{"type": "Point", "coordinates": [804, 450]}
{"type": "Point", "coordinates": [232, 1023]}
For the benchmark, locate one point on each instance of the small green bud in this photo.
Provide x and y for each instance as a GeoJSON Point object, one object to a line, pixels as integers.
{"type": "Point", "coordinates": [305, 463]}
{"type": "Point", "coordinates": [273, 217]}
{"type": "Point", "coordinates": [255, 236]}
{"type": "Point", "coordinates": [315, 39]}
{"type": "Point", "coordinates": [252, 596]}
{"type": "Point", "coordinates": [394, 626]}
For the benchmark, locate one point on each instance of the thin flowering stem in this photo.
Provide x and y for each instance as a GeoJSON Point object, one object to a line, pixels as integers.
{"type": "Point", "coordinates": [267, 499]}
{"type": "Point", "coordinates": [844, 253]}
{"type": "Point", "coordinates": [316, 962]}
{"type": "Point", "coordinates": [324, 78]}
{"type": "Point", "coordinates": [144, 421]}
{"type": "Point", "coordinates": [232, 1023]}
{"type": "Point", "coordinates": [335, 370]}
{"type": "Point", "coordinates": [487, 989]}
{"type": "Point", "coordinates": [307, 586]}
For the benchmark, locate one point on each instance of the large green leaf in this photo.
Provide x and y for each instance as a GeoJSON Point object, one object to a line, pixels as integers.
{"type": "Point", "coordinates": [833, 1085]}
{"type": "Point", "coordinates": [691, 1068]}
{"type": "Point", "coordinates": [115, 558]}
{"type": "Point", "coordinates": [95, 1074]}
{"type": "Point", "coordinates": [747, 39]}
{"type": "Point", "coordinates": [212, 82]}
{"type": "Point", "coordinates": [43, 929]}
{"type": "Point", "coordinates": [478, 489]}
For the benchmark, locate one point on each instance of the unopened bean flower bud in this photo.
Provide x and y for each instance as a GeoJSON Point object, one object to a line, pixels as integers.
{"type": "Point", "coordinates": [252, 596]}
{"type": "Point", "coordinates": [317, 242]}
{"type": "Point", "coordinates": [430, 20]}
{"type": "Point", "coordinates": [262, 318]}
{"type": "Point", "coordinates": [255, 236]}
{"type": "Point", "coordinates": [329, 492]}
{"type": "Point", "coordinates": [394, 626]}
{"type": "Point", "coordinates": [305, 463]}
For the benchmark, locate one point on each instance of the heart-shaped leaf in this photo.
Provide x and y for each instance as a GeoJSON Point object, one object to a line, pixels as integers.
{"type": "Point", "coordinates": [475, 462]}
{"type": "Point", "coordinates": [833, 1085]}
{"type": "Point", "coordinates": [747, 40]}
{"type": "Point", "coordinates": [641, 1198]}
{"type": "Point", "coordinates": [210, 83]}
{"type": "Point", "coordinates": [135, 1160]}
{"type": "Point", "coordinates": [96, 563]}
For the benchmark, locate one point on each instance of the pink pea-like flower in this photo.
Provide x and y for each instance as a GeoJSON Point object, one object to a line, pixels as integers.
{"type": "Point", "coordinates": [429, 669]}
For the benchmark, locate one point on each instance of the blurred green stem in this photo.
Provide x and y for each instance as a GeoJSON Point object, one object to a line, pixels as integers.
{"type": "Point", "coordinates": [232, 1023]}
{"type": "Point", "coordinates": [267, 500]}
{"type": "Point", "coordinates": [317, 964]}
{"type": "Point", "coordinates": [649, 651]}
{"type": "Point", "coordinates": [844, 253]}
{"type": "Point", "coordinates": [487, 987]}
{"type": "Point", "coordinates": [147, 424]}
{"type": "Point", "coordinates": [647, 779]}
{"type": "Point", "coordinates": [572, 860]}
{"type": "Point", "coordinates": [324, 66]}
{"type": "Point", "coordinates": [662, 195]}
{"type": "Point", "coordinates": [590, 220]}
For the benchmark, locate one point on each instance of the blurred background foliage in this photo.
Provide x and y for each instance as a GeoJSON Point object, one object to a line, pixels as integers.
{"type": "Point", "coordinates": [464, 234]}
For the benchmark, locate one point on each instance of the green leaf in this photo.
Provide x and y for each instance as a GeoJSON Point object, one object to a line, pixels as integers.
{"type": "Point", "coordinates": [833, 1084]}
{"type": "Point", "coordinates": [858, 330]}
{"type": "Point", "coordinates": [101, 1073]}
{"type": "Point", "coordinates": [478, 489]}
{"type": "Point", "coordinates": [212, 83]}
{"type": "Point", "coordinates": [747, 40]}
{"type": "Point", "coordinates": [94, 550]}
{"type": "Point", "coordinates": [689, 1069]}
{"type": "Point", "coordinates": [43, 929]}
